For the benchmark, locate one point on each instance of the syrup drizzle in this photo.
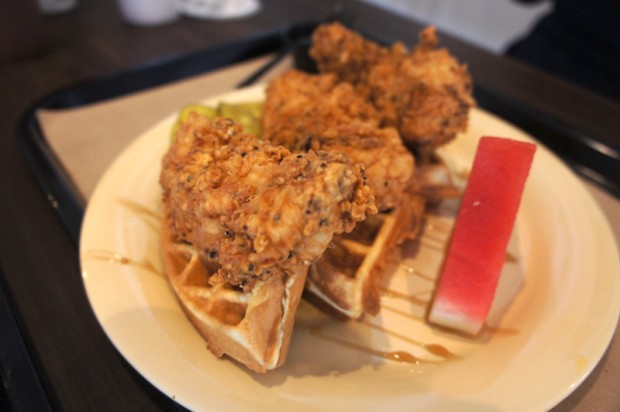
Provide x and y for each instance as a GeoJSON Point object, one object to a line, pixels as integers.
{"type": "Point", "coordinates": [437, 224]}
{"type": "Point", "coordinates": [433, 235]}
{"type": "Point", "coordinates": [399, 356]}
{"type": "Point", "coordinates": [147, 215]}
{"type": "Point", "coordinates": [402, 313]}
{"type": "Point", "coordinates": [433, 348]}
{"type": "Point", "coordinates": [412, 298]}
{"type": "Point", "coordinates": [510, 258]}
{"type": "Point", "coordinates": [139, 209]}
{"type": "Point", "coordinates": [117, 258]}
{"type": "Point", "coordinates": [501, 331]}
{"type": "Point", "coordinates": [410, 270]}
{"type": "Point", "coordinates": [433, 245]}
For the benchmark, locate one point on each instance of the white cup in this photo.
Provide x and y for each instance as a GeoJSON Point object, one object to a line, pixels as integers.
{"type": "Point", "coordinates": [149, 12]}
{"type": "Point", "coordinates": [219, 9]}
{"type": "Point", "coordinates": [56, 6]}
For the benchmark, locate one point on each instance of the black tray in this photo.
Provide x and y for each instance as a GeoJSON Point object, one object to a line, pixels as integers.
{"type": "Point", "coordinates": [51, 174]}
{"type": "Point", "coordinates": [591, 159]}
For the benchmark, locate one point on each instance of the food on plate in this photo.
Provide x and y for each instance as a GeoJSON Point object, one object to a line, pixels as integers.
{"type": "Point", "coordinates": [299, 107]}
{"type": "Point", "coordinates": [247, 114]}
{"type": "Point", "coordinates": [255, 327]}
{"type": "Point", "coordinates": [345, 280]}
{"type": "Point", "coordinates": [243, 220]}
{"type": "Point", "coordinates": [483, 227]}
{"type": "Point", "coordinates": [424, 93]}
{"type": "Point", "coordinates": [314, 190]}
{"type": "Point", "coordinates": [345, 109]}
{"type": "Point", "coordinates": [317, 112]}
{"type": "Point", "coordinates": [307, 112]}
{"type": "Point", "coordinates": [255, 205]}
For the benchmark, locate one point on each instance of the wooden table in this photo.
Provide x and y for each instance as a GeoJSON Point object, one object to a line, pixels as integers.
{"type": "Point", "coordinates": [70, 364]}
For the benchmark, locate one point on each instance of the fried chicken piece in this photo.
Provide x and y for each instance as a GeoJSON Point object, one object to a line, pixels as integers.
{"type": "Point", "coordinates": [349, 56]}
{"type": "Point", "coordinates": [424, 93]}
{"type": "Point", "coordinates": [316, 112]}
{"type": "Point", "coordinates": [256, 208]}
{"type": "Point", "coordinates": [389, 166]}
{"type": "Point", "coordinates": [299, 107]}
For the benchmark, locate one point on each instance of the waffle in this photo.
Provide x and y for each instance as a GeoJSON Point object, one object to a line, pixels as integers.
{"type": "Point", "coordinates": [253, 328]}
{"type": "Point", "coordinates": [345, 280]}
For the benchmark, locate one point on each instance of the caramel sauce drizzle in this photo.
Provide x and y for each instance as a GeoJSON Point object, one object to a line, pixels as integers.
{"type": "Point", "coordinates": [510, 258]}
{"type": "Point", "coordinates": [433, 348]}
{"type": "Point", "coordinates": [430, 244]}
{"type": "Point", "coordinates": [147, 215]}
{"type": "Point", "coordinates": [117, 258]}
{"type": "Point", "coordinates": [399, 356]}
{"type": "Point", "coordinates": [501, 331]}
{"type": "Point", "coordinates": [402, 312]}
{"type": "Point", "coordinates": [410, 270]}
{"type": "Point", "coordinates": [436, 235]}
{"type": "Point", "coordinates": [412, 298]}
{"type": "Point", "coordinates": [437, 224]}
{"type": "Point", "coordinates": [441, 245]}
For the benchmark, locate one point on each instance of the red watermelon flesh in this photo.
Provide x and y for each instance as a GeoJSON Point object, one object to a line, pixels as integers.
{"type": "Point", "coordinates": [483, 226]}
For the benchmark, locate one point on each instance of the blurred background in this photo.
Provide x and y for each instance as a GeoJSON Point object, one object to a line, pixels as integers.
{"type": "Point", "coordinates": [490, 24]}
{"type": "Point", "coordinates": [577, 40]}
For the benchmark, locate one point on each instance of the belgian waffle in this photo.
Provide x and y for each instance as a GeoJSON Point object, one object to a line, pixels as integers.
{"type": "Point", "coordinates": [253, 328]}
{"type": "Point", "coordinates": [345, 280]}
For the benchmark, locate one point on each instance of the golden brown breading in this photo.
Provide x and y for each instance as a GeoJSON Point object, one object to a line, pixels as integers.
{"type": "Point", "coordinates": [253, 207]}
{"type": "Point", "coordinates": [315, 112]}
{"type": "Point", "coordinates": [299, 107]}
{"type": "Point", "coordinates": [426, 94]}
{"type": "Point", "coordinates": [349, 56]}
{"type": "Point", "coordinates": [388, 165]}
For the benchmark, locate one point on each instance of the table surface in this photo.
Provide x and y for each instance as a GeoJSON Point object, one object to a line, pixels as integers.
{"type": "Point", "coordinates": [75, 365]}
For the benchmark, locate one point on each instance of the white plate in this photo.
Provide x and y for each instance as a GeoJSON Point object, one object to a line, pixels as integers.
{"type": "Point", "coordinates": [549, 339]}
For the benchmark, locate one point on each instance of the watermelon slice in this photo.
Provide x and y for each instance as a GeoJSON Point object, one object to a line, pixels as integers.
{"type": "Point", "coordinates": [483, 226]}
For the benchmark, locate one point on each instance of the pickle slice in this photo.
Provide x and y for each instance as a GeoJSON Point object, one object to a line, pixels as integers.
{"type": "Point", "coordinates": [202, 110]}
{"type": "Point", "coordinates": [247, 114]}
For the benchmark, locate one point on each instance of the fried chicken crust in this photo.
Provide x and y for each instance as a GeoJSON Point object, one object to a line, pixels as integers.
{"type": "Point", "coordinates": [317, 112]}
{"type": "Point", "coordinates": [253, 207]}
{"type": "Point", "coordinates": [424, 93]}
{"type": "Point", "coordinates": [299, 107]}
